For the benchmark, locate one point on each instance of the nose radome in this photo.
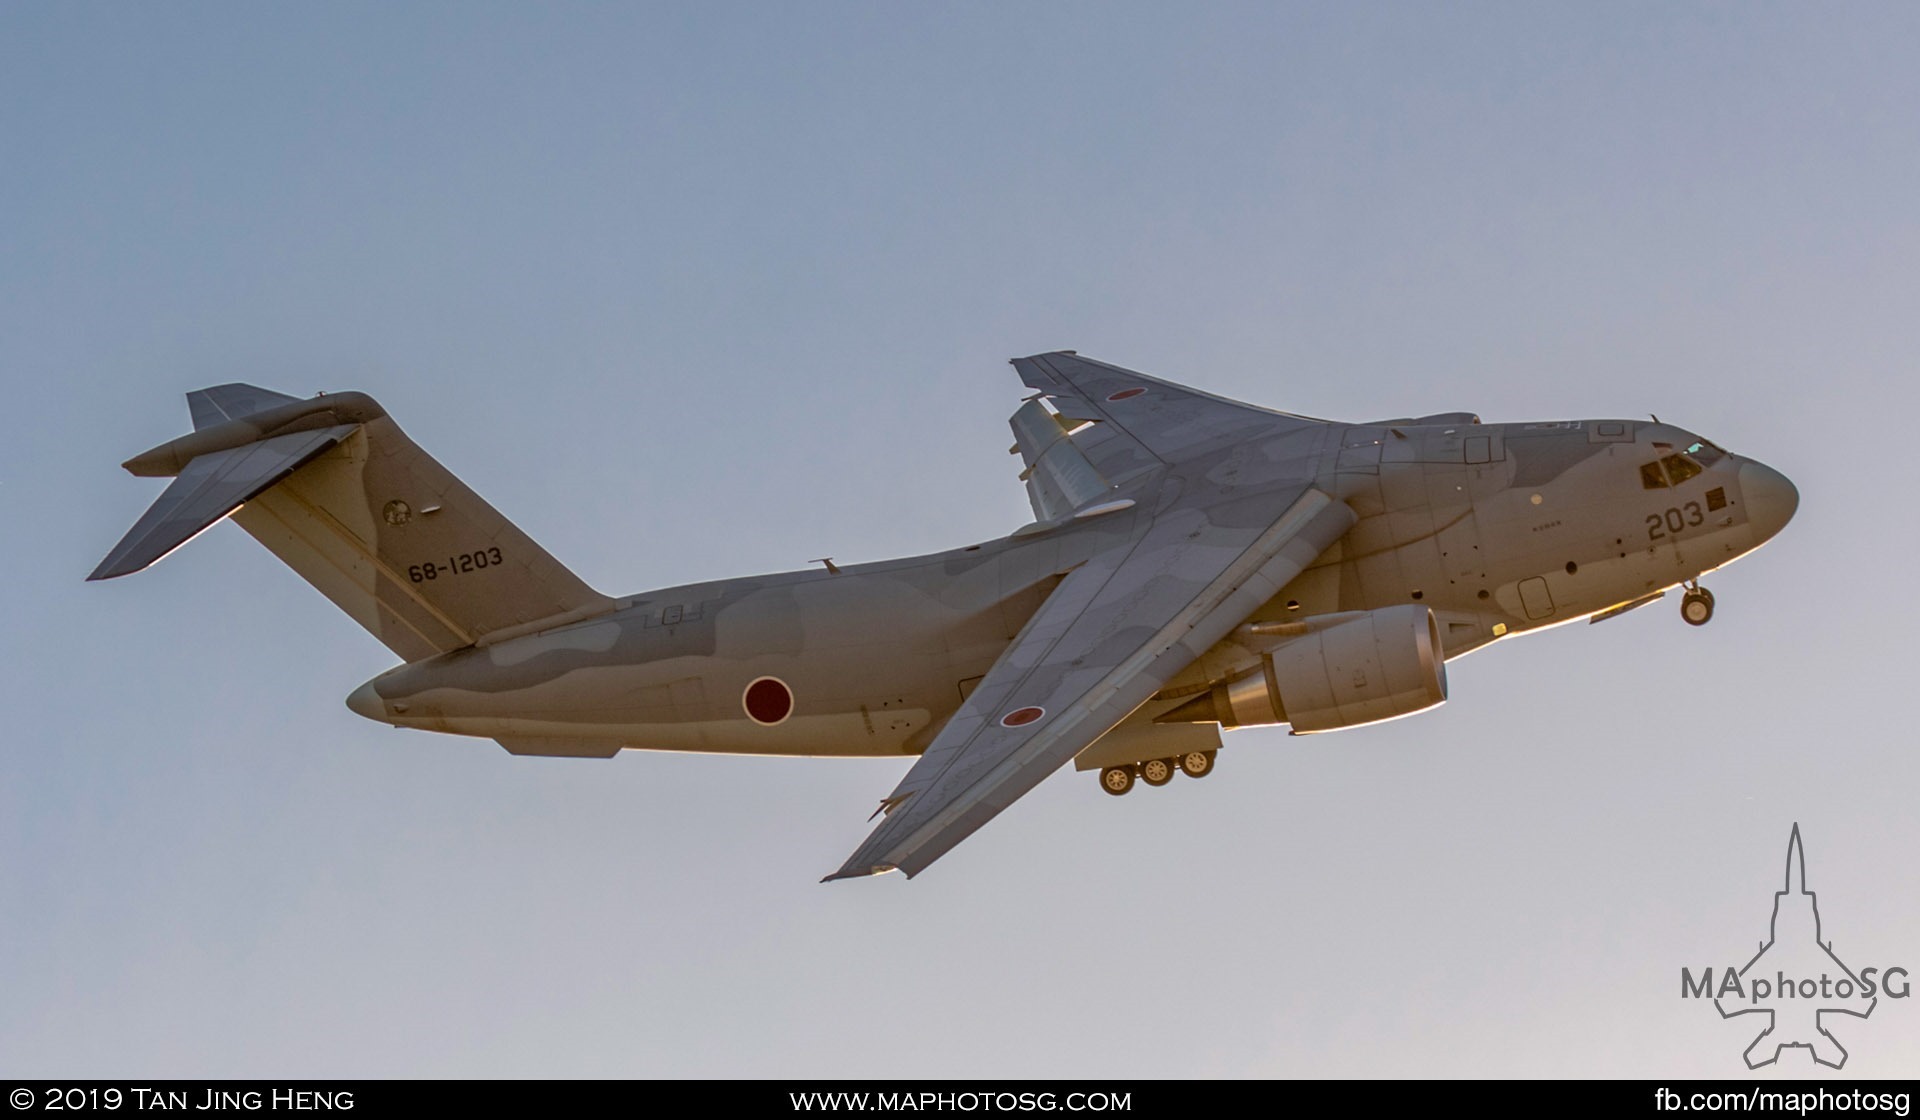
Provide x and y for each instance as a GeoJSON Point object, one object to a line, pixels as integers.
{"type": "Point", "coordinates": [1770, 498]}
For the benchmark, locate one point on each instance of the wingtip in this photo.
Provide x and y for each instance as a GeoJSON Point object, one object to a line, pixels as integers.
{"type": "Point", "coordinates": [110, 569]}
{"type": "Point", "coordinates": [859, 872]}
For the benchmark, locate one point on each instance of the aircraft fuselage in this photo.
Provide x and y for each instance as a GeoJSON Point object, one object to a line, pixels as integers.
{"type": "Point", "coordinates": [1499, 529]}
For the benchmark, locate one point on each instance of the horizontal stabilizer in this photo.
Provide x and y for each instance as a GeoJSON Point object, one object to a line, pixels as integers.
{"type": "Point", "coordinates": [211, 487]}
{"type": "Point", "coordinates": [230, 402]}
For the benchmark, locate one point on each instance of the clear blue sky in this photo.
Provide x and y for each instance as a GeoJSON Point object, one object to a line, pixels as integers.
{"type": "Point", "coordinates": [691, 291]}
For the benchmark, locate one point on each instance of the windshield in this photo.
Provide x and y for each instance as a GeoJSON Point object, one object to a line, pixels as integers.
{"type": "Point", "coordinates": [1680, 468]}
{"type": "Point", "coordinates": [1706, 454]}
{"type": "Point", "coordinates": [1672, 470]}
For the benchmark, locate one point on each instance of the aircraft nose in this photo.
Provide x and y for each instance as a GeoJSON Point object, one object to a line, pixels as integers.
{"type": "Point", "coordinates": [1771, 499]}
{"type": "Point", "coordinates": [366, 702]}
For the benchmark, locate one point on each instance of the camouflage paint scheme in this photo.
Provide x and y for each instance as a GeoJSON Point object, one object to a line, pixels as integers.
{"type": "Point", "coordinates": [1193, 562]}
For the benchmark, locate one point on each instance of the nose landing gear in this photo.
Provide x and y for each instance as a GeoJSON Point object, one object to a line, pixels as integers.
{"type": "Point", "coordinates": [1696, 606]}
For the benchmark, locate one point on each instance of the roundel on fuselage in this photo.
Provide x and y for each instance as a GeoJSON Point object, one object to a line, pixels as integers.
{"type": "Point", "coordinates": [768, 701]}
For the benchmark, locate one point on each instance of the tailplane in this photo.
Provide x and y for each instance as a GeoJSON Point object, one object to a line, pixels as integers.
{"type": "Point", "coordinates": [334, 488]}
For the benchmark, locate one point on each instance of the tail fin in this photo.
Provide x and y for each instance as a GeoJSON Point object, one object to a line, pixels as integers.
{"type": "Point", "coordinates": [335, 489]}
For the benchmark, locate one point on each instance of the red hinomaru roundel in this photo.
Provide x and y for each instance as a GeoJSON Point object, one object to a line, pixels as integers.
{"type": "Point", "coordinates": [768, 701]}
{"type": "Point", "coordinates": [1021, 717]}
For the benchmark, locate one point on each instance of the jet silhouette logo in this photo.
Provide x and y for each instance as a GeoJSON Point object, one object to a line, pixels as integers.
{"type": "Point", "coordinates": [1795, 980]}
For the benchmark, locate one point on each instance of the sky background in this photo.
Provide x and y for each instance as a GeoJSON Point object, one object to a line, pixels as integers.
{"type": "Point", "coordinates": [693, 291]}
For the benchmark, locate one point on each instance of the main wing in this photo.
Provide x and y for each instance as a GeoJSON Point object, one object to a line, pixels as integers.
{"type": "Point", "coordinates": [1141, 421]}
{"type": "Point", "coordinates": [1093, 429]}
{"type": "Point", "coordinates": [1115, 630]}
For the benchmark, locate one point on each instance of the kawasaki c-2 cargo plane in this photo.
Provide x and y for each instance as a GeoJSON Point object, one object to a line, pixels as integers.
{"type": "Point", "coordinates": [1194, 564]}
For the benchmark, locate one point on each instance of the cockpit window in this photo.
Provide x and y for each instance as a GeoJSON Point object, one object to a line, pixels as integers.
{"type": "Point", "coordinates": [1680, 468]}
{"type": "Point", "coordinates": [1672, 470]}
{"type": "Point", "coordinates": [1706, 454]}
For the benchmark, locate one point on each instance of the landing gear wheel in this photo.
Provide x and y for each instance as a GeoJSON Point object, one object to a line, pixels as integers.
{"type": "Point", "coordinates": [1157, 771]}
{"type": "Point", "coordinates": [1696, 607]}
{"type": "Point", "coordinates": [1117, 779]}
{"type": "Point", "coordinates": [1197, 764]}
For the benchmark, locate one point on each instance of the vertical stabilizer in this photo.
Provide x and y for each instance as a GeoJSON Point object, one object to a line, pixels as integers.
{"type": "Point", "coordinates": [335, 489]}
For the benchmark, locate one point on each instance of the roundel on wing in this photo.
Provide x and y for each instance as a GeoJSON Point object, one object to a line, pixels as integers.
{"type": "Point", "coordinates": [768, 701]}
{"type": "Point", "coordinates": [1126, 394]}
{"type": "Point", "coordinates": [1021, 717]}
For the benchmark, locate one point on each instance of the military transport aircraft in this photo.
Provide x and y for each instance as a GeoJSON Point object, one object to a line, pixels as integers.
{"type": "Point", "coordinates": [1194, 564]}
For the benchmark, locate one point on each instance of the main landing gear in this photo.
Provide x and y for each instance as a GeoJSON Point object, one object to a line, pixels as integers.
{"type": "Point", "coordinates": [1156, 771]}
{"type": "Point", "coordinates": [1696, 606]}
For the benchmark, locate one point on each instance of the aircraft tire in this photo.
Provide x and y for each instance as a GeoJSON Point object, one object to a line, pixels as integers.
{"type": "Point", "coordinates": [1197, 764]}
{"type": "Point", "coordinates": [1158, 771]}
{"type": "Point", "coordinates": [1696, 607]}
{"type": "Point", "coordinates": [1117, 780]}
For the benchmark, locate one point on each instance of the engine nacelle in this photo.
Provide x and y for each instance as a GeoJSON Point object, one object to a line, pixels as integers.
{"type": "Point", "coordinates": [1376, 666]}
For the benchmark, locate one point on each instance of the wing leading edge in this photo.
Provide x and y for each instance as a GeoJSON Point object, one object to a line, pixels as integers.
{"type": "Point", "coordinates": [1114, 631]}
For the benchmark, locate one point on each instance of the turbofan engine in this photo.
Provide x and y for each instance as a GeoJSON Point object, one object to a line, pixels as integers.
{"type": "Point", "coordinates": [1364, 668]}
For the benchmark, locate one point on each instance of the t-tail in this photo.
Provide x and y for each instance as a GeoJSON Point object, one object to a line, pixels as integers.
{"type": "Point", "coordinates": [333, 487]}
